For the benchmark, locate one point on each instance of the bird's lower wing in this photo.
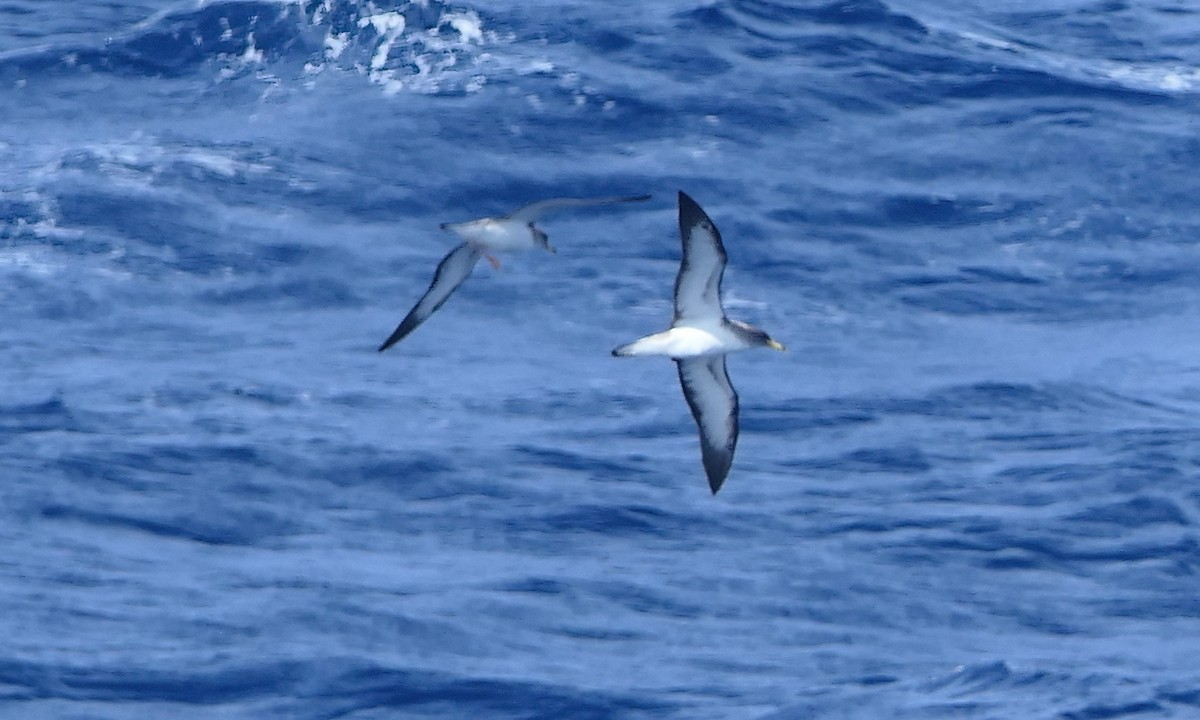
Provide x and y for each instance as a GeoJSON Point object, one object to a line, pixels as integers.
{"type": "Point", "coordinates": [451, 272]}
{"type": "Point", "coordinates": [714, 405]}
{"type": "Point", "coordinates": [533, 211]}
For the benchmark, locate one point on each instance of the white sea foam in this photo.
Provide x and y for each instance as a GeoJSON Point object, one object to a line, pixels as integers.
{"type": "Point", "coordinates": [468, 25]}
{"type": "Point", "coordinates": [335, 44]}
{"type": "Point", "coordinates": [1147, 76]}
{"type": "Point", "coordinates": [399, 53]}
{"type": "Point", "coordinates": [31, 261]}
{"type": "Point", "coordinates": [141, 160]}
{"type": "Point", "coordinates": [390, 26]}
{"type": "Point", "coordinates": [1172, 79]}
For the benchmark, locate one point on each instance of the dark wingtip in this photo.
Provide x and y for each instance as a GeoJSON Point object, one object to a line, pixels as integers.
{"type": "Point", "coordinates": [690, 212]}
{"type": "Point", "coordinates": [398, 334]}
{"type": "Point", "coordinates": [716, 468]}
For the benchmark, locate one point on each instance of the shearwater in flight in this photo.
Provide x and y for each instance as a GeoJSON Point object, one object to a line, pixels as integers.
{"type": "Point", "coordinates": [700, 337]}
{"type": "Point", "coordinates": [480, 238]}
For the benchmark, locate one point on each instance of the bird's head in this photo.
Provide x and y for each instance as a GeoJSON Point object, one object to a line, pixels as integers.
{"type": "Point", "coordinates": [757, 337]}
{"type": "Point", "coordinates": [767, 341]}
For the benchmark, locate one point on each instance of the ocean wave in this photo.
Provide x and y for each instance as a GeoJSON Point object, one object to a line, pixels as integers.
{"type": "Point", "coordinates": [239, 528]}
{"type": "Point", "coordinates": [421, 46]}
{"type": "Point", "coordinates": [1000, 689]}
{"type": "Point", "coordinates": [1067, 45]}
{"type": "Point", "coordinates": [319, 687]}
{"type": "Point", "coordinates": [932, 55]}
{"type": "Point", "coordinates": [46, 416]}
{"type": "Point", "coordinates": [767, 18]}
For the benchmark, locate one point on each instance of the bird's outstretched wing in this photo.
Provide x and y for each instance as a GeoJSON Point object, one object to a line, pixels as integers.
{"type": "Point", "coordinates": [451, 272]}
{"type": "Point", "coordinates": [533, 211]}
{"type": "Point", "coordinates": [714, 405]}
{"type": "Point", "coordinates": [698, 284]}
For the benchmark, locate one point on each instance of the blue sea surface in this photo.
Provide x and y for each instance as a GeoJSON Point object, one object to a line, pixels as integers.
{"type": "Point", "coordinates": [969, 490]}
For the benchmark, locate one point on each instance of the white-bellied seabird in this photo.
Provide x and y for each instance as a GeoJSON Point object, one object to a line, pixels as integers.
{"type": "Point", "coordinates": [508, 232]}
{"type": "Point", "coordinates": [700, 337]}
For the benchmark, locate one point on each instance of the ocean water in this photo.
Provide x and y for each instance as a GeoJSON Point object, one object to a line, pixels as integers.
{"type": "Point", "coordinates": [968, 491]}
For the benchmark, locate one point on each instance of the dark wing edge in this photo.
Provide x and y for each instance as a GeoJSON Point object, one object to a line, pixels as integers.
{"type": "Point", "coordinates": [451, 272]}
{"type": "Point", "coordinates": [701, 241]}
{"type": "Point", "coordinates": [714, 406]}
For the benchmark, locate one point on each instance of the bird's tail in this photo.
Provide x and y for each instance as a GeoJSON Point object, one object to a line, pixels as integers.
{"type": "Point", "coordinates": [649, 345]}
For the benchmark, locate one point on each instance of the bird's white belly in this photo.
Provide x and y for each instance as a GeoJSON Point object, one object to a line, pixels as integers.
{"type": "Point", "coordinates": [499, 236]}
{"type": "Point", "coordinates": [686, 341]}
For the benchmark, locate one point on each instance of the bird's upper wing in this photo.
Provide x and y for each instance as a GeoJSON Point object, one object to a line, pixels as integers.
{"type": "Point", "coordinates": [698, 284]}
{"type": "Point", "coordinates": [533, 211]}
{"type": "Point", "coordinates": [451, 272]}
{"type": "Point", "coordinates": [714, 405]}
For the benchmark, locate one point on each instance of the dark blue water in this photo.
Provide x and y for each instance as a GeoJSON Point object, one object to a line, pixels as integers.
{"type": "Point", "coordinates": [969, 491]}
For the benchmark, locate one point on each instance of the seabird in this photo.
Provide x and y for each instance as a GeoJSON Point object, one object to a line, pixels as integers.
{"type": "Point", "coordinates": [481, 237]}
{"type": "Point", "coordinates": [700, 337]}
